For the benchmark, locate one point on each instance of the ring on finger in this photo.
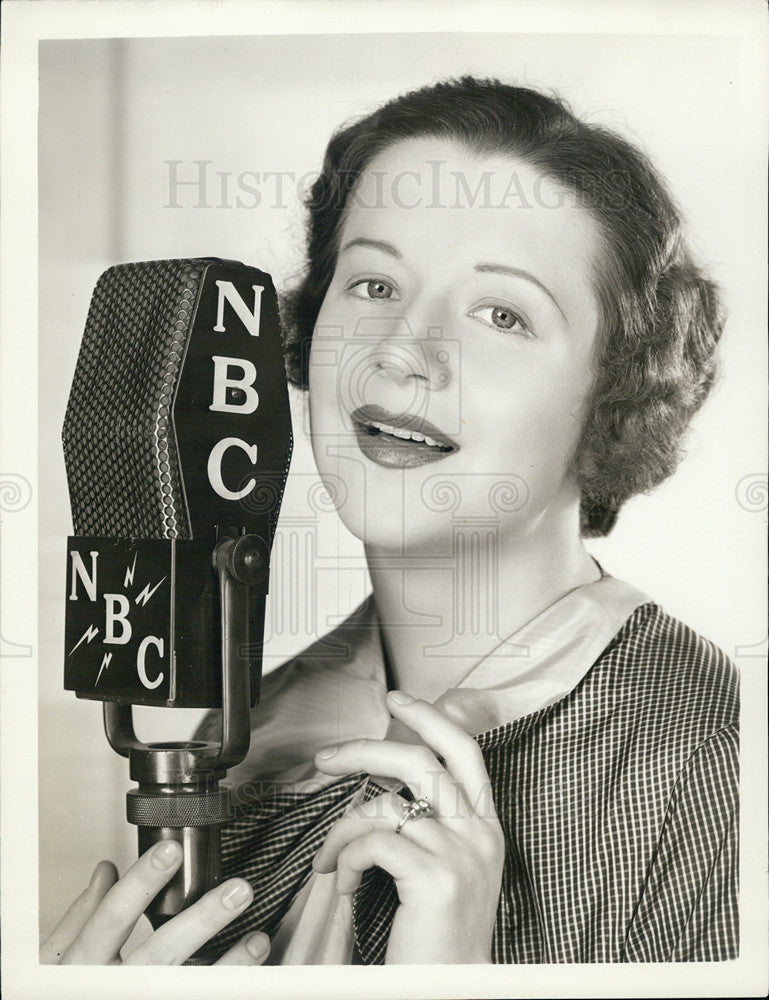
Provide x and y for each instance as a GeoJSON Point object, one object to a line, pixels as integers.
{"type": "Point", "coordinates": [413, 810]}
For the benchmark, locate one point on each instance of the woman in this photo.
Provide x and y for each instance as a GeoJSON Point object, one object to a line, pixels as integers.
{"type": "Point", "coordinates": [504, 755]}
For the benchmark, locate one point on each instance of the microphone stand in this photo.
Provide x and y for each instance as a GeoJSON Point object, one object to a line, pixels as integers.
{"type": "Point", "coordinates": [178, 795]}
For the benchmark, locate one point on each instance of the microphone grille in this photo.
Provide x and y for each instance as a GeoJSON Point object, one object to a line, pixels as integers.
{"type": "Point", "coordinates": [120, 448]}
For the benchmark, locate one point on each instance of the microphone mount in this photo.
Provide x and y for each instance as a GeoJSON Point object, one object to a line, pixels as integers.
{"type": "Point", "coordinates": [178, 795]}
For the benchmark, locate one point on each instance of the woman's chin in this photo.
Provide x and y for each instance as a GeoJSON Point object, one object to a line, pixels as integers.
{"type": "Point", "coordinates": [391, 531]}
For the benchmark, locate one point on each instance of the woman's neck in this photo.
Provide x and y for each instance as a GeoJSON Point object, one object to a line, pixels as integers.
{"type": "Point", "coordinates": [442, 615]}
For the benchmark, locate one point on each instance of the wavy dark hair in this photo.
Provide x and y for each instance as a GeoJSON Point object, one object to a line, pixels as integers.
{"type": "Point", "coordinates": [660, 320]}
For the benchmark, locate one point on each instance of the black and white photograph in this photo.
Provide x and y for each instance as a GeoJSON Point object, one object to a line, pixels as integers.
{"type": "Point", "coordinates": [384, 499]}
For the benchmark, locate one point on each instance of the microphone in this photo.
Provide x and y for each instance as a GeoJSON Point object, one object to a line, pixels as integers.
{"type": "Point", "coordinates": [177, 442]}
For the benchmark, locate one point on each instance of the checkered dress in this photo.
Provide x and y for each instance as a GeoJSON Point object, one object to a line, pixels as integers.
{"type": "Point", "coordinates": [618, 804]}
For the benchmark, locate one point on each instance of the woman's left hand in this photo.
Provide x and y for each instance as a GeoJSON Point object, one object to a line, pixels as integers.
{"type": "Point", "coordinates": [447, 866]}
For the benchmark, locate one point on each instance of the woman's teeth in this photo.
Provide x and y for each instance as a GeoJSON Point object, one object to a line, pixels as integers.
{"type": "Point", "coordinates": [374, 427]}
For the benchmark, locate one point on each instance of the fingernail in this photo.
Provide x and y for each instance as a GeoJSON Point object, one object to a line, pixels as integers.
{"type": "Point", "coordinates": [258, 945]}
{"type": "Point", "coordinates": [328, 752]}
{"type": "Point", "coordinates": [165, 854]}
{"type": "Point", "coordinates": [236, 895]}
{"type": "Point", "coordinates": [400, 697]}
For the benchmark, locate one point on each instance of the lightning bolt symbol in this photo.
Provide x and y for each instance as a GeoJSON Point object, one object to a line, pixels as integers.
{"type": "Point", "coordinates": [147, 593]}
{"type": "Point", "coordinates": [104, 663]}
{"type": "Point", "coordinates": [90, 633]}
{"type": "Point", "coordinates": [129, 573]}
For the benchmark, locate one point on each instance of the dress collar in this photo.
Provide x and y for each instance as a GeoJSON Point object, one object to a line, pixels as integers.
{"type": "Point", "coordinates": [543, 660]}
{"type": "Point", "coordinates": [335, 690]}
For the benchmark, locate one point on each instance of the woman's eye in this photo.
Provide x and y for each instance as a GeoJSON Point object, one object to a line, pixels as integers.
{"type": "Point", "coordinates": [500, 317]}
{"type": "Point", "coordinates": [372, 288]}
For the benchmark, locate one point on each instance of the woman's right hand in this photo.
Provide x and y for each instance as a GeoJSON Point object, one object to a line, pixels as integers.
{"type": "Point", "coordinates": [99, 922]}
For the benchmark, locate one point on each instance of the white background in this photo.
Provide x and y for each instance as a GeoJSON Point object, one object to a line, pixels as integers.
{"type": "Point", "coordinates": [113, 110]}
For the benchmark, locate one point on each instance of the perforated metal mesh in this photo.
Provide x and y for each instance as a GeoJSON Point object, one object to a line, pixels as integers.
{"type": "Point", "coordinates": [119, 446]}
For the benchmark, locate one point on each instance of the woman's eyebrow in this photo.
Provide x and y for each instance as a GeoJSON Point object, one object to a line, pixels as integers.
{"type": "Point", "coordinates": [517, 272]}
{"type": "Point", "coordinates": [362, 241]}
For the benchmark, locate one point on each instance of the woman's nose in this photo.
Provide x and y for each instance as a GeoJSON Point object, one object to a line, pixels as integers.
{"type": "Point", "coordinates": [401, 352]}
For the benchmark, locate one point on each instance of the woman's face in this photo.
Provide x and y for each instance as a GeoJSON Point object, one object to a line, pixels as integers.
{"type": "Point", "coordinates": [451, 357]}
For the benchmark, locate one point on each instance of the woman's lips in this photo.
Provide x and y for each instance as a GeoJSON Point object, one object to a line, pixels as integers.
{"type": "Point", "coordinates": [400, 441]}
